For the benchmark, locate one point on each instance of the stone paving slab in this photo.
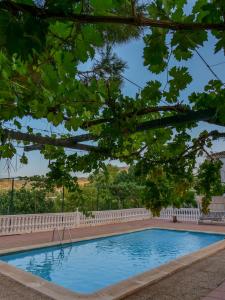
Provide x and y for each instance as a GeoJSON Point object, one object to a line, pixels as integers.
{"type": "Point", "coordinates": [192, 283]}
{"type": "Point", "coordinates": [218, 293]}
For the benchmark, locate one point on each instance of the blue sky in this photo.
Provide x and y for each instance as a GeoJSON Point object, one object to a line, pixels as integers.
{"type": "Point", "coordinates": [132, 53]}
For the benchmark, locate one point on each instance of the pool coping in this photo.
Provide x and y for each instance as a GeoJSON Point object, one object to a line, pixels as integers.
{"type": "Point", "coordinates": [116, 291]}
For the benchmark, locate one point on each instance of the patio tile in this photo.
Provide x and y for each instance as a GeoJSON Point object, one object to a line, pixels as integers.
{"type": "Point", "coordinates": [222, 287]}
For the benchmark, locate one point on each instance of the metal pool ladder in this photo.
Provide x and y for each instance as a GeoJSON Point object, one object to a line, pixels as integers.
{"type": "Point", "coordinates": [56, 229]}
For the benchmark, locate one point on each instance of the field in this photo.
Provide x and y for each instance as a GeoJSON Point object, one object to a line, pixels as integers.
{"type": "Point", "coordinates": [7, 184]}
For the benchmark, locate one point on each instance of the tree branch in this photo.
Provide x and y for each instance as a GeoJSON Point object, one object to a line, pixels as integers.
{"type": "Point", "coordinates": [138, 20]}
{"type": "Point", "coordinates": [200, 143]}
{"type": "Point", "coordinates": [78, 146]}
{"type": "Point", "coordinates": [73, 142]}
{"type": "Point", "coordinates": [133, 9]}
{"type": "Point", "coordinates": [189, 117]}
{"type": "Point", "coordinates": [141, 112]}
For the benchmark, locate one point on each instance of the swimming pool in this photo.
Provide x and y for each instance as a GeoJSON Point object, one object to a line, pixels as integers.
{"type": "Point", "coordinates": [89, 266]}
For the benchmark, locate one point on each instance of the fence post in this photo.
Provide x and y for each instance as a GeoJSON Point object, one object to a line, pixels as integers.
{"type": "Point", "coordinates": [11, 205]}
{"type": "Point", "coordinates": [63, 199]}
{"type": "Point", "coordinates": [77, 218]}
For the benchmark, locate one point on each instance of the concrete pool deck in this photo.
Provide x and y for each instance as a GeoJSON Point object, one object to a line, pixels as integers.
{"type": "Point", "coordinates": [193, 281]}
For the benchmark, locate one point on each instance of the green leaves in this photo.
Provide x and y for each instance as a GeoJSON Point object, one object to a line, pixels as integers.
{"type": "Point", "coordinates": [23, 35]}
{"type": "Point", "coordinates": [166, 9]}
{"type": "Point", "coordinates": [164, 188]}
{"type": "Point", "coordinates": [151, 93]}
{"type": "Point", "coordinates": [26, 201]}
{"type": "Point", "coordinates": [39, 78]}
{"type": "Point", "coordinates": [180, 79]}
{"type": "Point", "coordinates": [101, 6]}
{"type": "Point", "coordinates": [7, 150]}
{"type": "Point", "coordinates": [156, 52]}
{"type": "Point", "coordinates": [17, 124]}
{"type": "Point", "coordinates": [183, 44]}
{"type": "Point", "coordinates": [212, 98]}
{"type": "Point", "coordinates": [24, 159]}
{"type": "Point", "coordinates": [220, 45]}
{"type": "Point", "coordinates": [209, 181]}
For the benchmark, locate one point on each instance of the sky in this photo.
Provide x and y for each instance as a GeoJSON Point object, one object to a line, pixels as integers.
{"type": "Point", "coordinates": [132, 53]}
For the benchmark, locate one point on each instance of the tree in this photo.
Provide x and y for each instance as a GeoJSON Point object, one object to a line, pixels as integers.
{"type": "Point", "coordinates": [26, 201]}
{"type": "Point", "coordinates": [209, 182]}
{"type": "Point", "coordinates": [43, 44]}
{"type": "Point", "coordinates": [102, 180]}
{"type": "Point", "coordinates": [127, 189]}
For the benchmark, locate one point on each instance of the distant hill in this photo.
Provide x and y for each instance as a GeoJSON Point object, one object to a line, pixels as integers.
{"type": "Point", "coordinates": [6, 184]}
{"type": "Point", "coordinates": [83, 181]}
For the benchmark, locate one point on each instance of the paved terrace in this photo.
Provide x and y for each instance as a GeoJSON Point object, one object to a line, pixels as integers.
{"type": "Point", "coordinates": [202, 280]}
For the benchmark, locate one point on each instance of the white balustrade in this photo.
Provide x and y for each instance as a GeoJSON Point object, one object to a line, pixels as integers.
{"type": "Point", "coordinates": [16, 224]}
{"type": "Point", "coordinates": [182, 214]}
{"type": "Point", "coordinates": [114, 216]}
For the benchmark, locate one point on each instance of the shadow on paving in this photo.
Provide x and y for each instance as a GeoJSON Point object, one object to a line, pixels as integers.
{"type": "Point", "coordinates": [11, 290]}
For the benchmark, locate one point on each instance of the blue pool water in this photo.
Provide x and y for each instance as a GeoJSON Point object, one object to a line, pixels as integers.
{"type": "Point", "coordinates": [88, 266]}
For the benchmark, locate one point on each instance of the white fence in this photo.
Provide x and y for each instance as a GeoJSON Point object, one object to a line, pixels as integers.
{"type": "Point", "coordinates": [16, 224]}
{"type": "Point", "coordinates": [182, 214]}
{"type": "Point", "coordinates": [114, 216]}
